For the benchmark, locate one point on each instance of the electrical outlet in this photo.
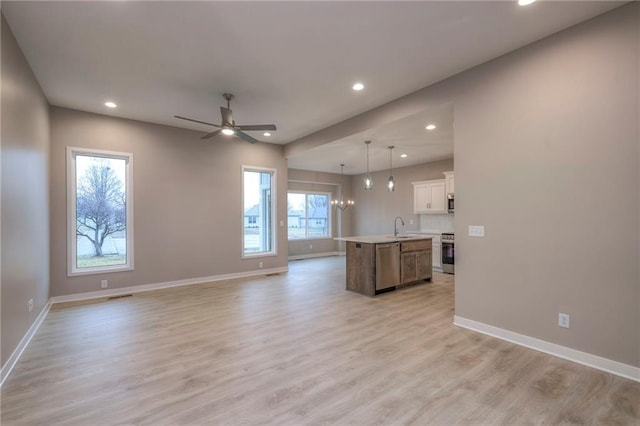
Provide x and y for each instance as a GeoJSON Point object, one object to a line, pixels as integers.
{"type": "Point", "coordinates": [310, 246]}
{"type": "Point", "coordinates": [30, 305]}
{"type": "Point", "coordinates": [410, 221]}
{"type": "Point", "coordinates": [282, 223]}
{"type": "Point", "coordinates": [563, 320]}
{"type": "Point", "coordinates": [104, 283]}
{"type": "Point", "coordinates": [260, 265]}
{"type": "Point", "coordinates": [476, 231]}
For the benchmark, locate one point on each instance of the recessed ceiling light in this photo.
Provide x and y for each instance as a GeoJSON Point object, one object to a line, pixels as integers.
{"type": "Point", "coordinates": [358, 86]}
{"type": "Point", "coordinates": [430, 127]}
{"type": "Point", "coordinates": [110, 104]}
{"type": "Point", "coordinates": [403, 155]}
{"type": "Point", "coordinates": [228, 131]}
{"type": "Point", "coordinates": [267, 134]}
{"type": "Point", "coordinates": [525, 2]}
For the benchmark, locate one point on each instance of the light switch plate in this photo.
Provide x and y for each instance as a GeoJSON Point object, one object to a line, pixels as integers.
{"type": "Point", "coordinates": [476, 231]}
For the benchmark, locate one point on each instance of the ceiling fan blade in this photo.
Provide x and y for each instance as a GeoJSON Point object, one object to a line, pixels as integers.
{"type": "Point", "coordinates": [246, 137]}
{"type": "Point", "coordinates": [196, 121]}
{"type": "Point", "coordinates": [227, 117]}
{"type": "Point", "coordinates": [257, 127]}
{"type": "Point", "coordinates": [212, 134]}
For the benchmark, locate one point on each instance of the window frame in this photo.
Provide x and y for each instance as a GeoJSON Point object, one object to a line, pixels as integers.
{"type": "Point", "coordinates": [329, 215]}
{"type": "Point", "coordinates": [72, 268]}
{"type": "Point", "coordinates": [273, 212]}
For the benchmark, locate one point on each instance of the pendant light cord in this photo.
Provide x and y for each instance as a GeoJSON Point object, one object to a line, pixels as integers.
{"type": "Point", "coordinates": [368, 142]}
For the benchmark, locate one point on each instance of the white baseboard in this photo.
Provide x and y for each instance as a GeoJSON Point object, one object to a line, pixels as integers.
{"type": "Point", "coordinates": [157, 286]}
{"type": "Point", "coordinates": [17, 352]}
{"type": "Point", "coordinates": [614, 367]}
{"type": "Point", "coordinates": [313, 255]}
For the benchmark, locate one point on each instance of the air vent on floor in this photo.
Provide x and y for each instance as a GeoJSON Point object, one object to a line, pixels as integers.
{"type": "Point", "coordinates": [119, 296]}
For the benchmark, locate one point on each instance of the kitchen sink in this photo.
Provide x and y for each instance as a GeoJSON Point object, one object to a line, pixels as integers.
{"type": "Point", "coordinates": [399, 236]}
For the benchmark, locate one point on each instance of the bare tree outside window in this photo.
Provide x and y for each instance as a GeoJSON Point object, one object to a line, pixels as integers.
{"type": "Point", "coordinates": [101, 220]}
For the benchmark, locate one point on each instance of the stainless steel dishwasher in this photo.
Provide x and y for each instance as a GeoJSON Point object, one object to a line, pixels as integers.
{"type": "Point", "coordinates": [387, 265]}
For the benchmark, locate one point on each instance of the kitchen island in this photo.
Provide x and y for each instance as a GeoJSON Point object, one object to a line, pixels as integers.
{"type": "Point", "coordinates": [381, 263]}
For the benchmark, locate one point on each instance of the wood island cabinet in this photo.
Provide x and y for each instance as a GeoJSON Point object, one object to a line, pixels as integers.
{"type": "Point", "coordinates": [415, 261]}
{"type": "Point", "coordinates": [361, 268]}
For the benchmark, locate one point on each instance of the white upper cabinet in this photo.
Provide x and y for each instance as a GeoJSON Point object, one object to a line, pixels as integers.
{"type": "Point", "coordinates": [449, 187]}
{"type": "Point", "coordinates": [429, 197]}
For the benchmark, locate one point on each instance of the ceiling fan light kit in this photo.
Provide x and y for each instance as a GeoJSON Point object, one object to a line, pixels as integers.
{"type": "Point", "coordinates": [228, 125]}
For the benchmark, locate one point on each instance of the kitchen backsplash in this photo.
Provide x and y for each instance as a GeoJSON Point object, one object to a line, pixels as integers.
{"type": "Point", "coordinates": [436, 223]}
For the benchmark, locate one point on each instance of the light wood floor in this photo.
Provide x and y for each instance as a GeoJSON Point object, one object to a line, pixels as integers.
{"type": "Point", "coordinates": [295, 349]}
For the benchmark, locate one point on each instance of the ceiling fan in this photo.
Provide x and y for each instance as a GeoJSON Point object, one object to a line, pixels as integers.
{"type": "Point", "coordinates": [229, 127]}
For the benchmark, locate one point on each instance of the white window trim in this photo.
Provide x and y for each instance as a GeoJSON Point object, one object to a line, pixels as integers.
{"type": "Point", "coordinates": [72, 269]}
{"type": "Point", "coordinates": [274, 202]}
{"type": "Point", "coordinates": [329, 216]}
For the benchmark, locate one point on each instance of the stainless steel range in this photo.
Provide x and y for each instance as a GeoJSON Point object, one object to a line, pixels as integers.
{"type": "Point", "coordinates": [448, 253]}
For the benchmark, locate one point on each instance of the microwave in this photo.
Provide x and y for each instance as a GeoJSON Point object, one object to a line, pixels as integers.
{"type": "Point", "coordinates": [450, 202]}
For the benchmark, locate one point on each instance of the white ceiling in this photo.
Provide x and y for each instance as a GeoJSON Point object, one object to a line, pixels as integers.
{"type": "Point", "coordinates": [288, 63]}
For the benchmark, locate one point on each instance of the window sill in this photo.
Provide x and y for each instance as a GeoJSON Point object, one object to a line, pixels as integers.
{"type": "Point", "coordinates": [263, 254]}
{"type": "Point", "coordinates": [95, 271]}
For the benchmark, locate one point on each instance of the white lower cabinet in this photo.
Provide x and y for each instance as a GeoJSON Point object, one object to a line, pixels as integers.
{"type": "Point", "coordinates": [436, 250]}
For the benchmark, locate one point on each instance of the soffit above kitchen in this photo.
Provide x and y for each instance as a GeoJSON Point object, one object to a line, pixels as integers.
{"type": "Point", "coordinates": [288, 63]}
{"type": "Point", "coordinates": [413, 144]}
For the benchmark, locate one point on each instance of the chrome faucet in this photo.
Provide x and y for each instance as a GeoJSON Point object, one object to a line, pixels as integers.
{"type": "Point", "coordinates": [395, 225]}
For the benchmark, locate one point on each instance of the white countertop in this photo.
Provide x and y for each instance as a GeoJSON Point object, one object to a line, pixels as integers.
{"type": "Point", "coordinates": [435, 235]}
{"type": "Point", "coordinates": [381, 239]}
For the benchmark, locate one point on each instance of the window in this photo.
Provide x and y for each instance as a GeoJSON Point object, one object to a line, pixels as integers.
{"type": "Point", "coordinates": [258, 233]}
{"type": "Point", "coordinates": [100, 209]}
{"type": "Point", "coordinates": [308, 215]}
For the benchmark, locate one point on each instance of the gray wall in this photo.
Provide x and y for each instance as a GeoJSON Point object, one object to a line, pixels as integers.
{"type": "Point", "coordinates": [547, 157]}
{"type": "Point", "coordinates": [377, 208]}
{"type": "Point", "coordinates": [188, 217]}
{"type": "Point", "coordinates": [546, 149]}
{"type": "Point", "coordinates": [341, 222]}
{"type": "Point", "coordinates": [25, 195]}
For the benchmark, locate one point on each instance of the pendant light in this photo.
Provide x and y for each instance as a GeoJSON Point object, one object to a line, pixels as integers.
{"type": "Point", "coordinates": [341, 204]}
{"type": "Point", "coordinates": [391, 183]}
{"type": "Point", "coordinates": [368, 181]}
